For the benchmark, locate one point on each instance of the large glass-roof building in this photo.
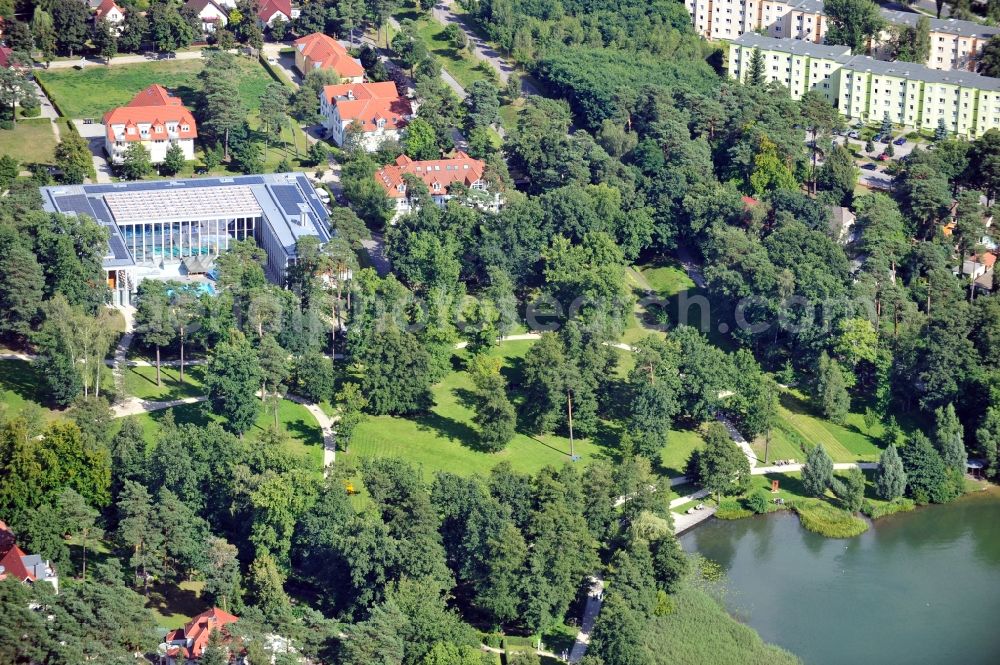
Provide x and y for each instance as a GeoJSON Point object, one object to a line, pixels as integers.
{"type": "Point", "coordinates": [154, 226]}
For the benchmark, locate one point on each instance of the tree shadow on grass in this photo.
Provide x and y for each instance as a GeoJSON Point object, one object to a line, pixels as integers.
{"type": "Point", "coordinates": [466, 397]}
{"type": "Point", "coordinates": [185, 414]}
{"type": "Point", "coordinates": [22, 380]}
{"type": "Point", "coordinates": [310, 435]}
{"type": "Point", "coordinates": [170, 599]}
{"type": "Point", "coordinates": [450, 429]}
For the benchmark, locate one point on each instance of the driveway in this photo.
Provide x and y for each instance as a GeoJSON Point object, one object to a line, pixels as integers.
{"type": "Point", "coordinates": [94, 133]}
{"type": "Point", "coordinates": [283, 61]}
{"type": "Point", "coordinates": [376, 252]}
{"type": "Point", "coordinates": [118, 60]}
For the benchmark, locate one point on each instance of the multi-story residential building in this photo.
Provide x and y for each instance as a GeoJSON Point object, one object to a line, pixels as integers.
{"type": "Point", "coordinates": [866, 89]}
{"type": "Point", "coordinates": [955, 44]}
{"type": "Point", "coordinates": [798, 65]}
{"type": "Point", "coordinates": [375, 110]}
{"type": "Point", "coordinates": [210, 14]}
{"type": "Point", "coordinates": [28, 568]}
{"type": "Point", "coordinates": [109, 11]}
{"type": "Point", "coordinates": [161, 228]}
{"type": "Point", "coordinates": [319, 51]}
{"type": "Point", "coordinates": [154, 118]}
{"type": "Point", "coordinates": [439, 175]}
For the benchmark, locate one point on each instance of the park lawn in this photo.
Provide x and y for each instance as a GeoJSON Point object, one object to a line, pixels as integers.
{"type": "Point", "coordinates": [509, 114]}
{"type": "Point", "coordinates": [445, 438]}
{"type": "Point", "coordinates": [141, 382]}
{"type": "Point", "coordinates": [175, 605]}
{"type": "Point", "coordinates": [465, 67]}
{"type": "Point", "coordinates": [31, 141]}
{"type": "Point", "coordinates": [88, 93]}
{"type": "Point", "coordinates": [20, 391]}
{"type": "Point", "coordinates": [781, 446]}
{"type": "Point", "coordinates": [674, 456]}
{"type": "Point", "coordinates": [666, 276]}
{"type": "Point", "coordinates": [843, 443]}
{"type": "Point", "coordinates": [304, 435]}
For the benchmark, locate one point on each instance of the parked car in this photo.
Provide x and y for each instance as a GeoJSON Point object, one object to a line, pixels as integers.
{"type": "Point", "coordinates": [886, 139]}
{"type": "Point", "coordinates": [877, 138]}
{"type": "Point", "coordinates": [900, 141]}
{"type": "Point", "coordinates": [853, 134]}
{"type": "Point", "coordinates": [883, 157]}
{"type": "Point", "coordinates": [869, 167]}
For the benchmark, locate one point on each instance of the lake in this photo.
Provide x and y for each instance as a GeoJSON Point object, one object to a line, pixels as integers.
{"type": "Point", "coordinates": [921, 587]}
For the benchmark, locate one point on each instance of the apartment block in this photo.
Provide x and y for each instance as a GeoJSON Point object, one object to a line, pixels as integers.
{"type": "Point", "coordinates": [866, 89]}
{"type": "Point", "coordinates": [954, 44]}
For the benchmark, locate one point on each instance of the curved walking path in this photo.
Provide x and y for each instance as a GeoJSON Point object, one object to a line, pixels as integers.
{"type": "Point", "coordinates": [326, 424]}
{"type": "Point", "coordinates": [595, 598]}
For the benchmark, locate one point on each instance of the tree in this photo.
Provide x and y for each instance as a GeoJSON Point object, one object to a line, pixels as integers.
{"type": "Point", "coordinates": [135, 163]}
{"type": "Point", "coordinates": [138, 532]}
{"type": "Point", "coordinates": [853, 23]}
{"type": "Point", "coordinates": [618, 634]}
{"type": "Point", "coordinates": [352, 404]}
{"type": "Point", "coordinates": [220, 108]}
{"type": "Point", "coordinates": [72, 153]}
{"type": "Point", "coordinates": [890, 478]}
{"type": "Point", "coordinates": [174, 160]}
{"type": "Point", "coordinates": [912, 43]}
{"type": "Point", "coordinates": [770, 172]}
{"type": "Point", "coordinates": [232, 378]}
{"type": "Point", "coordinates": [169, 30]}
{"type": "Point", "coordinates": [273, 112]}
{"type": "Point", "coordinates": [215, 653]}
{"type": "Point", "coordinates": [495, 415]}
{"type": "Point", "coordinates": [266, 587]}
{"type": "Point", "coordinates": [314, 376]}
{"type": "Point", "coordinates": [421, 141]}
{"type": "Point", "coordinates": [71, 24]}
{"type": "Point", "coordinates": [940, 132]}
{"type": "Point", "coordinates": [987, 438]}
{"type": "Point", "coordinates": [21, 287]}
{"type": "Point", "coordinates": [838, 175]}
{"type": "Point", "coordinates": [831, 389]}
{"type": "Point", "coordinates": [105, 39]}
{"type": "Point", "coordinates": [723, 468]}
{"type": "Point", "coordinates": [44, 34]}
{"type": "Point", "coordinates": [134, 32]}
{"type": "Point", "coordinates": [483, 101]}
{"type": "Point", "coordinates": [949, 438]}
{"type": "Point", "coordinates": [397, 377]}
{"type": "Point", "coordinates": [817, 474]}
{"type": "Point", "coordinates": [153, 321]}
{"type": "Point", "coordinates": [79, 521]}
{"type": "Point", "coordinates": [755, 73]}
{"type": "Point", "coordinates": [13, 88]}
{"type": "Point", "coordinates": [926, 474]}
{"type": "Point", "coordinates": [850, 490]}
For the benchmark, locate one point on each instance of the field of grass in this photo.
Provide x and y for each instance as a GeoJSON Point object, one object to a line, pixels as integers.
{"type": "Point", "coordinates": [674, 455]}
{"type": "Point", "coordinates": [20, 391]}
{"type": "Point", "coordinates": [828, 520]}
{"type": "Point", "coordinates": [304, 435]}
{"type": "Point", "coordinates": [173, 606]}
{"type": "Point", "coordinates": [700, 630]}
{"type": "Point", "coordinates": [141, 382]}
{"type": "Point", "coordinates": [88, 93]}
{"type": "Point", "coordinates": [462, 65]}
{"type": "Point", "coordinates": [847, 443]}
{"type": "Point", "coordinates": [32, 141]}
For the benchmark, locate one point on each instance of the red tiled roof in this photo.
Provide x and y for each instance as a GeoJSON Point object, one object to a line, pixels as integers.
{"type": "Point", "coordinates": [987, 259]}
{"type": "Point", "coordinates": [269, 7]}
{"type": "Point", "coordinates": [369, 102]}
{"type": "Point", "coordinates": [327, 53]}
{"type": "Point", "coordinates": [106, 7]}
{"type": "Point", "coordinates": [749, 202]}
{"type": "Point", "coordinates": [444, 172]}
{"type": "Point", "coordinates": [200, 628]}
{"type": "Point", "coordinates": [10, 556]}
{"type": "Point", "coordinates": [153, 106]}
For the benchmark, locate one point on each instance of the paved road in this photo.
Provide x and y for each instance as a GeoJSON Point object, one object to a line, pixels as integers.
{"type": "Point", "coordinates": [117, 60]}
{"type": "Point", "coordinates": [284, 61]}
{"type": "Point", "coordinates": [94, 133]}
{"type": "Point", "coordinates": [376, 252]}
{"type": "Point", "coordinates": [595, 598]}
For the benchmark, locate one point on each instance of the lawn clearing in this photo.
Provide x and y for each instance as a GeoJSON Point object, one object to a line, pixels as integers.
{"type": "Point", "coordinates": [674, 456]}
{"type": "Point", "coordinates": [90, 92]}
{"type": "Point", "coordinates": [141, 382]}
{"type": "Point", "coordinates": [32, 141]}
{"type": "Point", "coordinates": [175, 605]}
{"type": "Point", "coordinates": [847, 443]}
{"type": "Point", "coordinates": [20, 391]}
{"type": "Point", "coordinates": [444, 439]}
{"type": "Point", "coordinates": [465, 67]}
{"type": "Point", "coordinates": [304, 435]}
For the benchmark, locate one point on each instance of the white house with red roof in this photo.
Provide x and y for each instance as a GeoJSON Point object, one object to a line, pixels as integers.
{"type": "Point", "coordinates": [110, 12]}
{"type": "Point", "coordinates": [319, 51]}
{"type": "Point", "coordinates": [269, 11]}
{"type": "Point", "coordinates": [14, 562]}
{"type": "Point", "coordinates": [440, 176]}
{"type": "Point", "coordinates": [210, 13]}
{"type": "Point", "coordinates": [376, 109]}
{"type": "Point", "coordinates": [154, 118]}
{"type": "Point", "coordinates": [188, 643]}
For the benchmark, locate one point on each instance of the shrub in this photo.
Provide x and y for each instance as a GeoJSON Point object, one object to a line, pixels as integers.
{"type": "Point", "coordinates": [879, 510]}
{"type": "Point", "coordinates": [731, 509]}
{"type": "Point", "coordinates": [6, 124]}
{"type": "Point", "coordinates": [826, 520]}
{"type": "Point", "coordinates": [757, 502]}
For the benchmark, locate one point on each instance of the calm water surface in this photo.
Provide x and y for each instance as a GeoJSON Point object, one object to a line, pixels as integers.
{"type": "Point", "coordinates": [923, 587]}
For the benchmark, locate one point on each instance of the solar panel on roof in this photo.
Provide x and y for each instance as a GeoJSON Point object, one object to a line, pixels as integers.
{"type": "Point", "coordinates": [77, 203]}
{"type": "Point", "coordinates": [289, 197]}
{"type": "Point", "coordinates": [118, 248]}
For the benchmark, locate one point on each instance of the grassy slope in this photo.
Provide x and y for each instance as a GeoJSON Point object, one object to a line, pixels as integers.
{"type": "Point", "coordinates": [305, 438]}
{"type": "Point", "coordinates": [31, 141]}
{"type": "Point", "coordinates": [19, 390]}
{"type": "Point", "coordinates": [847, 443]}
{"type": "Point", "coordinates": [699, 630]}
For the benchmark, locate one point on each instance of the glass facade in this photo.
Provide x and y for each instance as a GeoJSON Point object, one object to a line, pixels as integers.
{"type": "Point", "coordinates": [153, 242]}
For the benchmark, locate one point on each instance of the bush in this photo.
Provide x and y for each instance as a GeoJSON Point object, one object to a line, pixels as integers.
{"type": "Point", "coordinates": [6, 124]}
{"type": "Point", "coordinates": [492, 639]}
{"type": "Point", "coordinates": [758, 502]}
{"type": "Point", "coordinates": [731, 509]}
{"type": "Point", "coordinates": [884, 509]}
{"type": "Point", "coordinates": [826, 520]}
{"type": "Point", "coordinates": [31, 111]}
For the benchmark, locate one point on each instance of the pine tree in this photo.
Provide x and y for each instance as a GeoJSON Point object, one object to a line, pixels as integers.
{"type": "Point", "coordinates": [890, 478]}
{"type": "Point", "coordinates": [817, 474]}
{"type": "Point", "coordinates": [886, 128]}
{"type": "Point", "coordinates": [940, 132]}
{"type": "Point", "coordinates": [926, 473]}
{"type": "Point", "coordinates": [850, 490]}
{"type": "Point", "coordinates": [831, 389]}
{"type": "Point", "coordinates": [233, 377]}
{"type": "Point", "coordinates": [137, 530]}
{"type": "Point", "coordinates": [949, 437]}
{"type": "Point", "coordinates": [755, 73]}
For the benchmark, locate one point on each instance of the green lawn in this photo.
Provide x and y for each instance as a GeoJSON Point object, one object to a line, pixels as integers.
{"type": "Point", "coordinates": [462, 65]}
{"type": "Point", "coordinates": [675, 454]}
{"type": "Point", "coordinates": [304, 435]}
{"type": "Point", "coordinates": [173, 606]}
{"type": "Point", "coordinates": [20, 391]}
{"type": "Point", "coordinates": [444, 439]}
{"type": "Point", "coordinates": [88, 93]}
{"type": "Point", "coordinates": [844, 443]}
{"type": "Point", "coordinates": [141, 382]}
{"type": "Point", "coordinates": [31, 141]}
